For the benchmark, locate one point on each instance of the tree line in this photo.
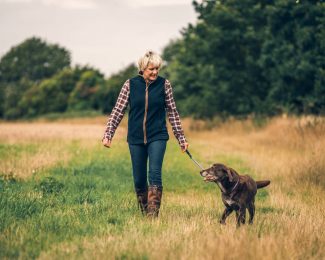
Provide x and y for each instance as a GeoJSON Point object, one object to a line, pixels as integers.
{"type": "Point", "coordinates": [251, 57]}
{"type": "Point", "coordinates": [240, 58]}
{"type": "Point", "coordinates": [37, 78]}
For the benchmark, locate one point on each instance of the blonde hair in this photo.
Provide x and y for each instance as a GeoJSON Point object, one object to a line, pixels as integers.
{"type": "Point", "coordinates": [149, 57]}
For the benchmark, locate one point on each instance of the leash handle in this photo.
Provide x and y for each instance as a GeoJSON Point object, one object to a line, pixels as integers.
{"type": "Point", "coordinates": [190, 155]}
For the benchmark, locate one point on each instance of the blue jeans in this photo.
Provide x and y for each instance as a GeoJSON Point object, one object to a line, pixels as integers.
{"type": "Point", "coordinates": [140, 153]}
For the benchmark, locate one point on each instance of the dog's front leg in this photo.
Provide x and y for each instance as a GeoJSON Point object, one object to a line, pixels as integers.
{"type": "Point", "coordinates": [241, 217]}
{"type": "Point", "coordinates": [225, 214]}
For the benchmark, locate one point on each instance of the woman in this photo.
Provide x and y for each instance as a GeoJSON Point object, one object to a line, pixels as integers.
{"type": "Point", "coordinates": [149, 97]}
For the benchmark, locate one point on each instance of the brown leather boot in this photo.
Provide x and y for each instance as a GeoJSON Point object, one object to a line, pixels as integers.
{"type": "Point", "coordinates": [154, 200]}
{"type": "Point", "coordinates": [142, 197]}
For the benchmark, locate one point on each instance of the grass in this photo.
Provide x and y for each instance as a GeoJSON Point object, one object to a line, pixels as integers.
{"type": "Point", "coordinates": [81, 204]}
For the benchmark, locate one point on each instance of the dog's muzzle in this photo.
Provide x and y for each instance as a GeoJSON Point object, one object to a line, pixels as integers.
{"type": "Point", "coordinates": [208, 177]}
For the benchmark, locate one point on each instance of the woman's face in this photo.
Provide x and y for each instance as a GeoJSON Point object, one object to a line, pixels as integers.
{"type": "Point", "coordinates": [151, 72]}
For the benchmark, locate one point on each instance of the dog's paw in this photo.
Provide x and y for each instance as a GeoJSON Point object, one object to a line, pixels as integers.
{"type": "Point", "coordinates": [222, 222]}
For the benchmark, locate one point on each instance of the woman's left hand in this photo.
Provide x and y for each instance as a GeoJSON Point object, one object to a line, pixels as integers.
{"type": "Point", "coordinates": [185, 147]}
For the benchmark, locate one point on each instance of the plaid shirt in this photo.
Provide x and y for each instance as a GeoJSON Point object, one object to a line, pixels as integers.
{"type": "Point", "coordinates": [122, 103]}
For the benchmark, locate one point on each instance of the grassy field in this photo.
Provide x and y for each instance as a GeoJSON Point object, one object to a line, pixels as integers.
{"type": "Point", "coordinates": [63, 195]}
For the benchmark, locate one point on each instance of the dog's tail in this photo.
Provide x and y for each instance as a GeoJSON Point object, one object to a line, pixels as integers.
{"type": "Point", "coordinates": [262, 184]}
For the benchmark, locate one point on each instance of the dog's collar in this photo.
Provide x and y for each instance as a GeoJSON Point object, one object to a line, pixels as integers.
{"type": "Point", "coordinates": [235, 186]}
{"type": "Point", "coordinates": [224, 190]}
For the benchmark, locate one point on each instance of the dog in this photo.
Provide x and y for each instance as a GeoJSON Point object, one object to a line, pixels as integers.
{"type": "Point", "coordinates": [238, 191]}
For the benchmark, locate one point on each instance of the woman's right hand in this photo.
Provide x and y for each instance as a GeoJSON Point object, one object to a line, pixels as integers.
{"type": "Point", "coordinates": [185, 147]}
{"type": "Point", "coordinates": [106, 142]}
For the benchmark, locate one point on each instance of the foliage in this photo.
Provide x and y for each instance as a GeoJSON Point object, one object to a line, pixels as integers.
{"type": "Point", "coordinates": [293, 55]}
{"type": "Point", "coordinates": [42, 90]}
{"type": "Point", "coordinates": [33, 59]}
{"type": "Point", "coordinates": [244, 57]}
{"type": "Point", "coordinates": [113, 87]}
{"type": "Point", "coordinates": [50, 185]}
{"type": "Point", "coordinates": [12, 94]}
{"type": "Point", "coordinates": [86, 95]}
{"type": "Point", "coordinates": [25, 66]}
{"type": "Point", "coordinates": [52, 95]}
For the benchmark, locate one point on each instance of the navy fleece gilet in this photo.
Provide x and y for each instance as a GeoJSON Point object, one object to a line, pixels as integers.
{"type": "Point", "coordinates": [155, 122]}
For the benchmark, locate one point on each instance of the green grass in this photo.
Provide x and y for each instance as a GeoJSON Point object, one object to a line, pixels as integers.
{"type": "Point", "coordinates": [65, 115]}
{"type": "Point", "coordinates": [92, 195]}
{"type": "Point", "coordinates": [75, 202]}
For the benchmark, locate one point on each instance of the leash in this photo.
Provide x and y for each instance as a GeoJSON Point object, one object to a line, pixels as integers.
{"type": "Point", "coordinates": [190, 155]}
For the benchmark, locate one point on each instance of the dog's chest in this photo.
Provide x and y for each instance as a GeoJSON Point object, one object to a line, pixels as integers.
{"type": "Point", "coordinates": [229, 201]}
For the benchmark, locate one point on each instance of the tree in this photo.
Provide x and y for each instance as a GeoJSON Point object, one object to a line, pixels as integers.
{"type": "Point", "coordinates": [85, 95]}
{"type": "Point", "coordinates": [113, 87]}
{"type": "Point", "coordinates": [244, 57]}
{"type": "Point", "coordinates": [51, 95]}
{"type": "Point", "coordinates": [218, 56]}
{"type": "Point", "coordinates": [292, 55]}
{"type": "Point", "coordinates": [34, 59]}
{"type": "Point", "coordinates": [11, 108]}
{"type": "Point", "coordinates": [24, 67]}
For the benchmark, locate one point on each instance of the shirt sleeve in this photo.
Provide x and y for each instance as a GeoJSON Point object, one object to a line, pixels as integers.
{"type": "Point", "coordinates": [118, 111]}
{"type": "Point", "coordinates": [173, 115]}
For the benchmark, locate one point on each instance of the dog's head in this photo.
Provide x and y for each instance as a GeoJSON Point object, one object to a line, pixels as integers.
{"type": "Point", "coordinates": [218, 172]}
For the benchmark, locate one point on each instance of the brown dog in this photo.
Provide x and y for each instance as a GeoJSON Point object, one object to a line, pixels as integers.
{"type": "Point", "coordinates": [238, 191]}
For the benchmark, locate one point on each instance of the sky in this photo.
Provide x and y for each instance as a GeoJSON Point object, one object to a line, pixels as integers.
{"type": "Point", "coordinates": [105, 34]}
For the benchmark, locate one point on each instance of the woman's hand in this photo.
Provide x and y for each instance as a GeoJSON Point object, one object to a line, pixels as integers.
{"type": "Point", "coordinates": [106, 142]}
{"type": "Point", "coordinates": [185, 147]}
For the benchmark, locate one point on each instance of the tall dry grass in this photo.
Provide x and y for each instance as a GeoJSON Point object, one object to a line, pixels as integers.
{"type": "Point", "coordinates": [292, 149]}
{"type": "Point", "coordinates": [41, 145]}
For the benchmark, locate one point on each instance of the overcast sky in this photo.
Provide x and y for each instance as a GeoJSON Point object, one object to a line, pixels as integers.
{"type": "Point", "coordinates": [106, 34]}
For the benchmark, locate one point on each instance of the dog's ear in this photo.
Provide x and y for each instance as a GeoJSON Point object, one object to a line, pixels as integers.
{"type": "Point", "coordinates": [231, 175]}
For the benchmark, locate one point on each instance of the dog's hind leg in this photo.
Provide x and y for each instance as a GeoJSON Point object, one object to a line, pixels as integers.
{"type": "Point", "coordinates": [251, 210]}
{"type": "Point", "coordinates": [225, 214]}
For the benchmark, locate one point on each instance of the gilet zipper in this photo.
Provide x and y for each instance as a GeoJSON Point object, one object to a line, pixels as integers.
{"type": "Point", "coordinates": [145, 115]}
